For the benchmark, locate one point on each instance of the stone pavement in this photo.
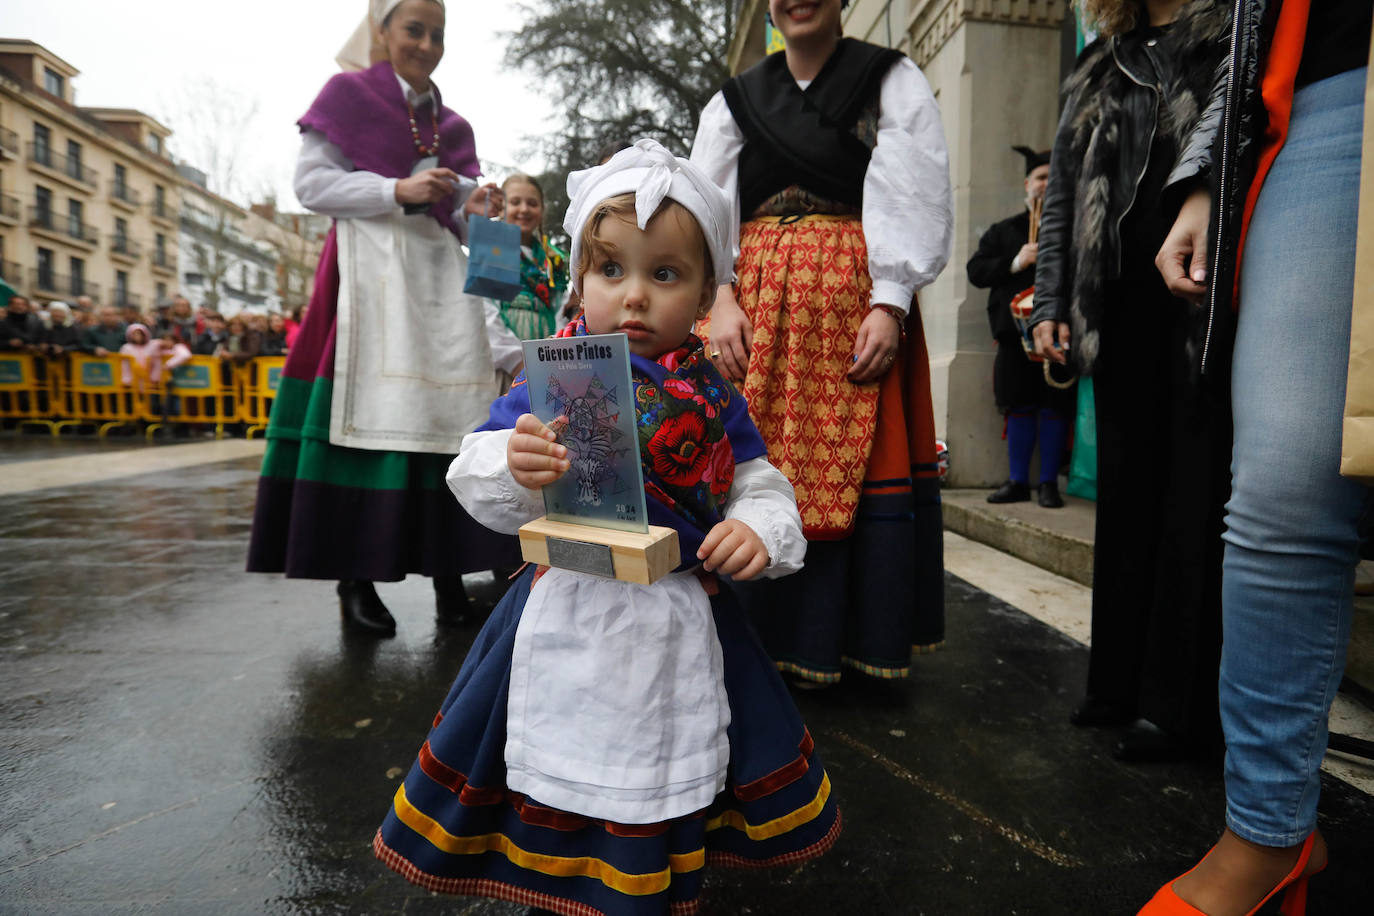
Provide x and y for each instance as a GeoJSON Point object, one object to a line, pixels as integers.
{"type": "Point", "coordinates": [181, 737]}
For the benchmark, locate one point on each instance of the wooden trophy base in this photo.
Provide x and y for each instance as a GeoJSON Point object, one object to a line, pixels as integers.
{"type": "Point", "coordinates": [628, 556]}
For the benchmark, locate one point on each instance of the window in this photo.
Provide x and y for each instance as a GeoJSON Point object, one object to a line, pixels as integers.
{"type": "Point", "coordinates": [162, 292]}
{"type": "Point", "coordinates": [262, 280]}
{"type": "Point", "coordinates": [243, 277]}
{"type": "Point", "coordinates": [159, 200]}
{"type": "Point", "coordinates": [42, 205]}
{"type": "Point", "coordinates": [195, 279]}
{"type": "Point", "coordinates": [160, 250]}
{"type": "Point", "coordinates": [76, 213]}
{"type": "Point", "coordinates": [74, 160]}
{"type": "Point", "coordinates": [45, 274]}
{"type": "Point", "coordinates": [78, 267]}
{"type": "Point", "coordinates": [121, 178]}
{"type": "Point", "coordinates": [42, 145]}
{"type": "Point", "coordinates": [121, 235]}
{"type": "Point", "coordinates": [54, 82]}
{"type": "Point", "coordinates": [154, 143]}
{"type": "Point", "coordinates": [121, 287]}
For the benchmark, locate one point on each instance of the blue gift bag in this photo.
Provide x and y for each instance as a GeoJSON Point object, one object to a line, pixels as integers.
{"type": "Point", "coordinates": [493, 259]}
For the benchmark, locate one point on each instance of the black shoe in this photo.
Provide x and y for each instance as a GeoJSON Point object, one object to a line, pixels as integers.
{"type": "Point", "coordinates": [1049, 495]}
{"type": "Point", "coordinates": [1011, 492]}
{"type": "Point", "coordinates": [1095, 713]}
{"type": "Point", "coordinates": [451, 605]}
{"type": "Point", "coordinates": [363, 611]}
{"type": "Point", "coordinates": [1145, 742]}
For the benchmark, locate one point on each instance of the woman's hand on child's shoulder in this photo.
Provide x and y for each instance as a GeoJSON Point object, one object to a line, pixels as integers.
{"type": "Point", "coordinates": [733, 549]}
{"type": "Point", "coordinates": [534, 455]}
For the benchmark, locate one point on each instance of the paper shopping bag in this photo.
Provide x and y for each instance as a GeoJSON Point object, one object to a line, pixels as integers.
{"type": "Point", "coordinates": [493, 259]}
{"type": "Point", "coordinates": [1357, 430]}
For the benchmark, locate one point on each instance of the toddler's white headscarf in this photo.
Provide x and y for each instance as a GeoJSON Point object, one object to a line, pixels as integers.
{"type": "Point", "coordinates": [653, 174]}
{"type": "Point", "coordinates": [356, 54]}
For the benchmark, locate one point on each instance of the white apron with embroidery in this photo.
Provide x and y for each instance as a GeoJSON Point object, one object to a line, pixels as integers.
{"type": "Point", "coordinates": [617, 707]}
{"type": "Point", "coordinates": [412, 369]}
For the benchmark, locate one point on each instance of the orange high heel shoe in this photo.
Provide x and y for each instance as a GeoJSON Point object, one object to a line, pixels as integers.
{"type": "Point", "coordinates": [1167, 903]}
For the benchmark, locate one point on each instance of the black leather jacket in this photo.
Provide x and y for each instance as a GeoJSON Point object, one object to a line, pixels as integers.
{"type": "Point", "coordinates": [1126, 93]}
{"type": "Point", "coordinates": [1138, 64]}
{"type": "Point", "coordinates": [1229, 135]}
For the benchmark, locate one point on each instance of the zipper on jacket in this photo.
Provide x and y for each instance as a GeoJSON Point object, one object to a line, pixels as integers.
{"type": "Point", "coordinates": [1158, 90]}
{"type": "Point", "coordinates": [1221, 181]}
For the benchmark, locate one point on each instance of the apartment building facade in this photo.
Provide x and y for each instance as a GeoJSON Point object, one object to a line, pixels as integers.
{"type": "Point", "coordinates": [89, 198]}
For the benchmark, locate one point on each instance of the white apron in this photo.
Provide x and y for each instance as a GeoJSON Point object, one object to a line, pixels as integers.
{"type": "Point", "coordinates": [617, 707]}
{"type": "Point", "coordinates": [412, 368]}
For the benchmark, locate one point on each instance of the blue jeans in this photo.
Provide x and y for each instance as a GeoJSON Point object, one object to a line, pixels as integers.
{"type": "Point", "coordinates": [1291, 526]}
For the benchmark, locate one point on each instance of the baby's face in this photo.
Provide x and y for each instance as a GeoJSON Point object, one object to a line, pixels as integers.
{"type": "Point", "coordinates": [650, 285]}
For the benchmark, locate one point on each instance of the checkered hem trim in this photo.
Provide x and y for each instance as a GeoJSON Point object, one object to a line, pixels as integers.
{"type": "Point", "coordinates": [499, 890]}
{"type": "Point", "coordinates": [815, 850]}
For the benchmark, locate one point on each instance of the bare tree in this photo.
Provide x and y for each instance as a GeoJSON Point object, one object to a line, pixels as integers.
{"type": "Point", "coordinates": [620, 70]}
{"type": "Point", "coordinates": [212, 127]}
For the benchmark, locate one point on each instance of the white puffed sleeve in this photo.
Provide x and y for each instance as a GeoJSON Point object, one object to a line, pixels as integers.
{"type": "Point", "coordinates": [716, 151]}
{"type": "Point", "coordinates": [908, 213]}
{"type": "Point", "coordinates": [763, 499]}
{"type": "Point", "coordinates": [480, 478]}
{"type": "Point", "coordinates": [328, 183]}
{"type": "Point", "coordinates": [506, 352]}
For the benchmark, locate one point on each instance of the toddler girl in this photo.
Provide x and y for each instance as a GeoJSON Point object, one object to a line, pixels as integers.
{"type": "Point", "coordinates": [605, 740]}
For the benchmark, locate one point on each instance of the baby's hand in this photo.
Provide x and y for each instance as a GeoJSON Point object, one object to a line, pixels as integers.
{"type": "Point", "coordinates": [534, 457]}
{"type": "Point", "coordinates": [733, 549]}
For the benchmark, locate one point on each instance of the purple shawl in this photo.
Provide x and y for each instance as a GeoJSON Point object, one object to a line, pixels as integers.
{"type": "Point", "coordinates": [364, 114]}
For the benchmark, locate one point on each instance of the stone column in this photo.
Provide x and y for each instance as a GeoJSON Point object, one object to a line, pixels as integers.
{"type": "Point", "coordinates": [994, 66]}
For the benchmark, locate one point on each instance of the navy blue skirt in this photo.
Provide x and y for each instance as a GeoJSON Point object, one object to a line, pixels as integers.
{"type": "Point", "coordinates": [455, 828]}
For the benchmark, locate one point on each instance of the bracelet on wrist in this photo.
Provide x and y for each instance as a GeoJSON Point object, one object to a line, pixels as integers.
{"type": "Point", "coordinates": [896, 315]}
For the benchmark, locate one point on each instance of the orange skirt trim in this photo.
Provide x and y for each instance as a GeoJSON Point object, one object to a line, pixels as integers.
{"type": "Point", "coordinates": [1276, 89]}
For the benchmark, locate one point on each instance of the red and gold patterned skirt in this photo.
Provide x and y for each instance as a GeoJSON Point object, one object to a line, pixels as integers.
{"type": "Point", "coordinates": [861, 457]}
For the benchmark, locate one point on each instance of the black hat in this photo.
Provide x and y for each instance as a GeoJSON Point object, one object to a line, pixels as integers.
{"type": "Point", "coordinates": [1033, 159]}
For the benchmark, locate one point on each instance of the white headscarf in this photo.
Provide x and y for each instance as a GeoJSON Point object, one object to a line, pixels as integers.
{"type": "Point", "coordinates": [356, 54]}
{"type": "Point", "coordinates": [653, 174]}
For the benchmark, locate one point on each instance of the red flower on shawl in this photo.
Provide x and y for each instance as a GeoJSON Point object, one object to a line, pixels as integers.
{"type": "Point", "coordinates": [679, 389]}
{"type": "Point", "coordinates": [678, 451]}
{"type": "Point", "coordinates": [542, 291]}
{"type": "Point", "coordinates": [720, 469]}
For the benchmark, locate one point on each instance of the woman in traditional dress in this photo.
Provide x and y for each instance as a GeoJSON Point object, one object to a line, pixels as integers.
{"type": "Point", "coordinates": [534, 312]}
{"type": "Point", "coordinates": [365, 423]}
{"type": "Point", "coordinates": [835, 152]}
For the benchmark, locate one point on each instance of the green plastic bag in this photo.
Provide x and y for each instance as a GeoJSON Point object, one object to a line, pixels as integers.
{"type": "Point", "coordinates": [1083, 464]}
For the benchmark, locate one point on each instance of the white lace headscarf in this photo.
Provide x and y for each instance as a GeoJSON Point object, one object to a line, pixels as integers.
{"type": "Point", "coordinates": [356, 54]}
{"type": "Point", "coordinates": [653, 174]}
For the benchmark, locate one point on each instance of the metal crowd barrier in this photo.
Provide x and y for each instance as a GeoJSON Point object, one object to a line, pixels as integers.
{"type": "Point", "coordinates": [105, 392]}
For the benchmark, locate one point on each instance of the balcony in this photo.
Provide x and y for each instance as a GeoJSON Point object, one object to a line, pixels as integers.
{"type": "Point", "coordinates": [11, 273]}
{"type": "Point", "coordinates": [63, 228]}
{"type": "Point", "coordinates": [123, 248]}
{"type": "Point", "coordinates": [163, 263]}
{"type": "Point", "coordinates": [9, 144]}
{"type": "Point", "coordinates": [162, 213]}
{"type": "Point", "coordinates": [11, 210]}
{"type": "Point", "coordinates": [55, 284]}
{"type": "Point", "coordinates": [125, 197]}
{"type": "Point", "coordinates": [127, 299]}
{"type": "Point", "coordinates": [64, 168]}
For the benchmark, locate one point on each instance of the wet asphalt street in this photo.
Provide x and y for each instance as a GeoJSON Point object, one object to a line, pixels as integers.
{"type": "Point", "coordinates": [182, 737]}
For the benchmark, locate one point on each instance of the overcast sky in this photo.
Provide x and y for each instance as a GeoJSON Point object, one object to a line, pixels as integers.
{"type": "Point", "coordinates": [279, 52]}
